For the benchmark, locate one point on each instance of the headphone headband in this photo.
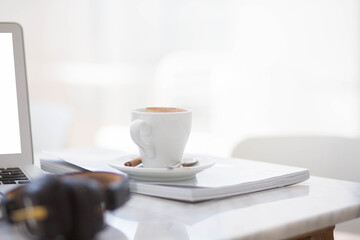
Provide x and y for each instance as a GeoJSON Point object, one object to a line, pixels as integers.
{"type": "Point", "coordinates": [114, 186]}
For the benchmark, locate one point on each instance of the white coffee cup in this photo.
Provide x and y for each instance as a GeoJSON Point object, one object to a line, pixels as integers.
{"type": "Point", "coordinates": [161, 134]}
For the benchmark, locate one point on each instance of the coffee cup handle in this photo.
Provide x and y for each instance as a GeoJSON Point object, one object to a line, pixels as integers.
{"type": "Point", "coordinates": [137, 128]}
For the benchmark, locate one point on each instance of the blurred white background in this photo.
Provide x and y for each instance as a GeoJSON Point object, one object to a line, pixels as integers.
{"type": "Point", "coordinates": [246, 68]}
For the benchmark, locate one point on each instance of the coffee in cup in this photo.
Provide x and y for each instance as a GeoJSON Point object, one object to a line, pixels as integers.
{"type": "Point", "coordinates": [161, 134]}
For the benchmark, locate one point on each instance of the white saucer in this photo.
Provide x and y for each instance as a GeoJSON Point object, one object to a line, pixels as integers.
{"type": "Point", "coordinates": [161, 174]}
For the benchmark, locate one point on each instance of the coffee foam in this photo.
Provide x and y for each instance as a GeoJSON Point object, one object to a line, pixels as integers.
{"type": "Point", "coordinates": [164, 109]}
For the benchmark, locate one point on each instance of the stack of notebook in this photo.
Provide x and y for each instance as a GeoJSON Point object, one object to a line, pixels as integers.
{"type": "Point", "coordinates": [228, 177]}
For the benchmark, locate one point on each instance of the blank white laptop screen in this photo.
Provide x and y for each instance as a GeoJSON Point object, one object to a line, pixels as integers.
{"type": "Point", "coordinates": [9, 122]}
{"type": "Point", "coordinates": [15, 131]}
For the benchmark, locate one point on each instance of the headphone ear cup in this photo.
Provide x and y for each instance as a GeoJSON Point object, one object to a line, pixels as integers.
{"type": "Point", "coordinates": [87, 213]}
{"type": "Point", "coordinates": [50, 193]}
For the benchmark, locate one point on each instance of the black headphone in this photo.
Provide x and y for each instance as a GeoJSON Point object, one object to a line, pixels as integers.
{"type": "Point", "coordinates": [69, 206]}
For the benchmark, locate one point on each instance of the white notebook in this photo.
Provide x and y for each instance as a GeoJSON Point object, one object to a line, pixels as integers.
{"type": "Point", "coordinates": [228, 177]}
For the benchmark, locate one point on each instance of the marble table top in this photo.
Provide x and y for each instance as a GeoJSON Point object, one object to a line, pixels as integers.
{"type": "Point", "coordinates": [273, 214]}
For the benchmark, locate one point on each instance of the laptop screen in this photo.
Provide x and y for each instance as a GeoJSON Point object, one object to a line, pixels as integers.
{"type": "Point", "coordinates": [9, 121]}
{"type": "Point", "coordinates": [15, 130]}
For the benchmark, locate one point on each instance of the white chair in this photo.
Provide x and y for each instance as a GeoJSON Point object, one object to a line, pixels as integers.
{"type": "Point", "coordinates": [333, 157]}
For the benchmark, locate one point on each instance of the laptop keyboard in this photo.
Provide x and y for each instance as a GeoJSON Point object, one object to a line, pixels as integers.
{"type": "Point", "coordinates": [12, 176]}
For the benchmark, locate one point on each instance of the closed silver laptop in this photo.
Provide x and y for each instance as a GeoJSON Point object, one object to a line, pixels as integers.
{"type": "Point", "coordinates": [16, 154]}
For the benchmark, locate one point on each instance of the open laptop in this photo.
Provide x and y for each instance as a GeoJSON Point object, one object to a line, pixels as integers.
{"type": "Point", "coordinates": [16, 154]}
